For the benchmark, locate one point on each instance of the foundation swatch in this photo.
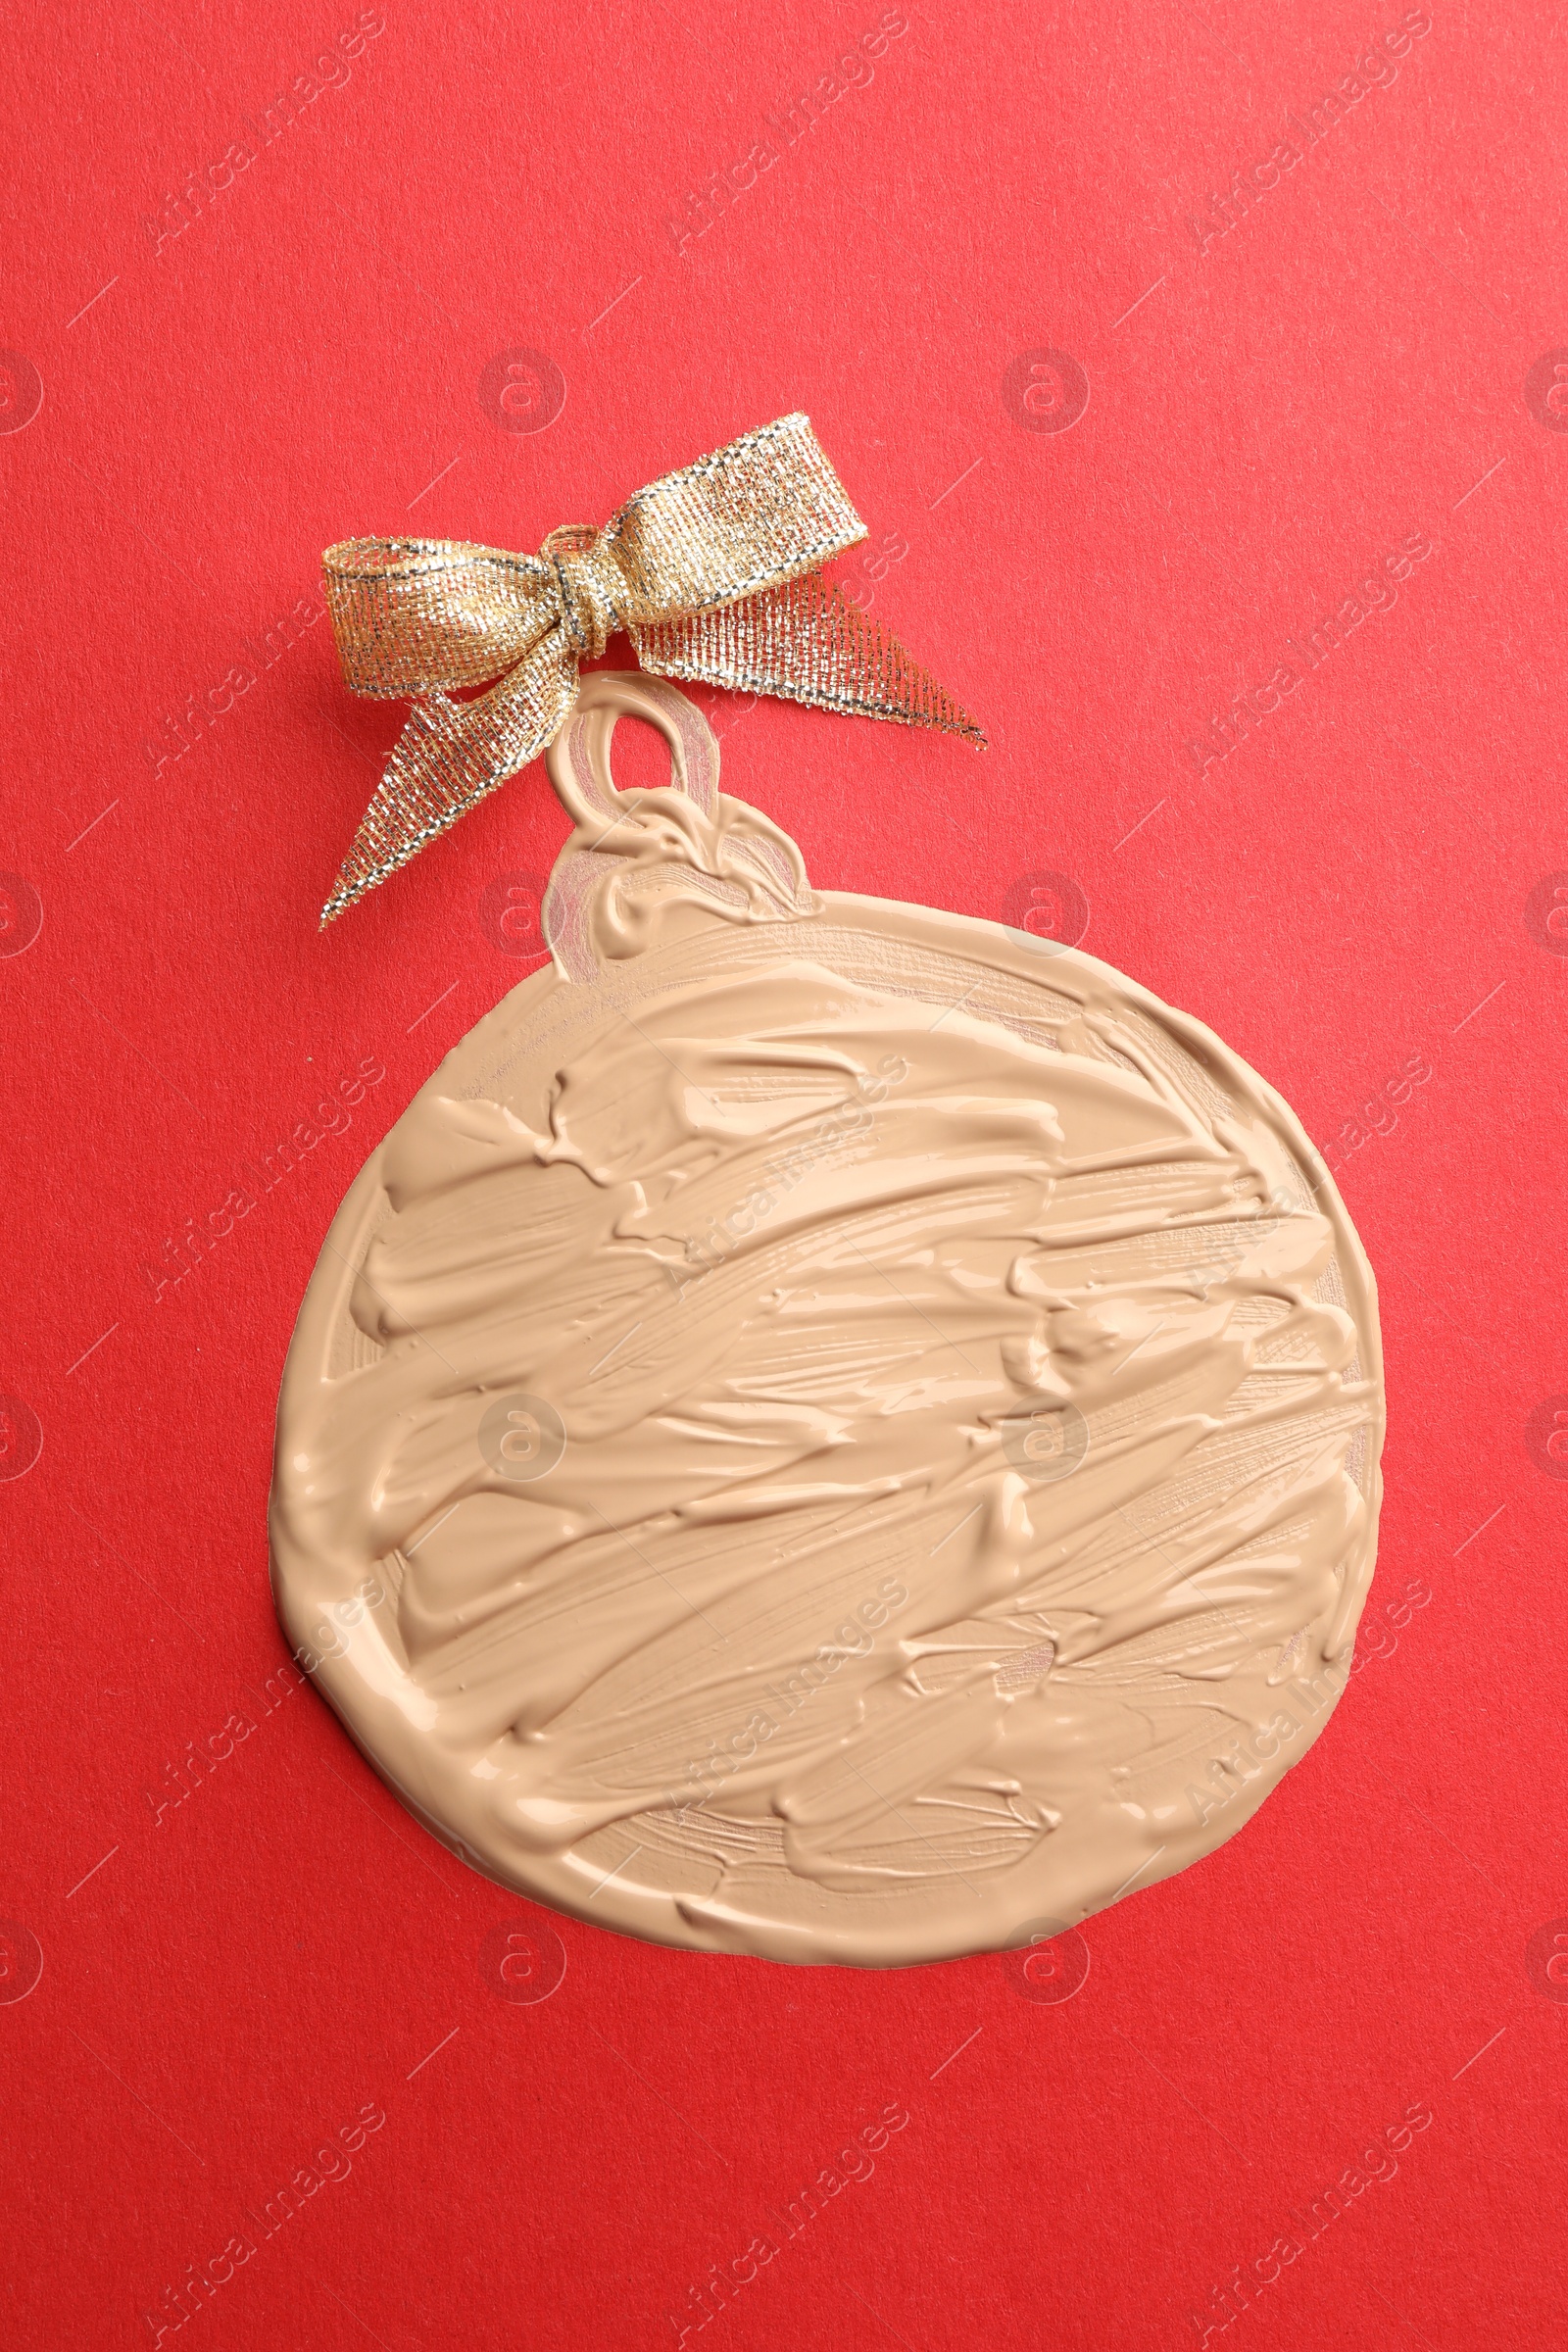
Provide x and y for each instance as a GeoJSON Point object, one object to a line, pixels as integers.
{"type": "Point", "coordinates": [827, 1429]}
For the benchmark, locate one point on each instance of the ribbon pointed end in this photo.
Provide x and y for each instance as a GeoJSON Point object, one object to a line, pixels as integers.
{"type": "Point", "coordinates": [808, 642]}
{"type": "Point", "coordinates": [343, 896]}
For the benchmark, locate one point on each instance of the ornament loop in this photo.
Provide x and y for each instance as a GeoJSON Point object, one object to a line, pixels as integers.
{"type": "Point", "coordinates": [636, 858]}
{"type": "Point", "coordinates": [577, 763]}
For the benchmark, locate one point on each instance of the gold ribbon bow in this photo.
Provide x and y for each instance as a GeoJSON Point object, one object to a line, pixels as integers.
{"type": "Point", "coordinates": [713, 572]}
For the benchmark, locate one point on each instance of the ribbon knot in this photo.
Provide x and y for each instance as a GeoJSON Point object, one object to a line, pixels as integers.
{"type": "Point", "coordinates": [592, 590]}
{"type": "Point", "coordinates": [715, 573]}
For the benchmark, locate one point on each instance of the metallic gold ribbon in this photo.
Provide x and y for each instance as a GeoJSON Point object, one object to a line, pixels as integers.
{"type": "Point", "coordinates": [713, 572]}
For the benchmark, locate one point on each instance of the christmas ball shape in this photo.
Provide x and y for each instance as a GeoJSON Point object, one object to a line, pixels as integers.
{"type": "Point", "coordinates": [827, 1429]}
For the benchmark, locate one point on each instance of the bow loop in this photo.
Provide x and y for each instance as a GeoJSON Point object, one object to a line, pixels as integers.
{"type": "Point", "coordinates": [712, 571]}
{"type": "Point", "coordinates": [414, 616]}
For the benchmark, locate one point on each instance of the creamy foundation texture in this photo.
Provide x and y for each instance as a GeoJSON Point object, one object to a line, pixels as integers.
{"type": "Point", "coordinates": [826, 1430]}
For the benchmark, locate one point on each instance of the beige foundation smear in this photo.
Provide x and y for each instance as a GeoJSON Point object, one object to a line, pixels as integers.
{"type": "Point", "coordinates": [827, 1429]}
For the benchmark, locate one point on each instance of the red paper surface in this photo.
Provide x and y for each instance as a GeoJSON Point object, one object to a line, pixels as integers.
{"type": "Point", "coordinates": [1366, 357]}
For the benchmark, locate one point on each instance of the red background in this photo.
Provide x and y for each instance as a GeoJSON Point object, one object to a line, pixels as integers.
{"type": "Point", "coordinates": [1270, 410]}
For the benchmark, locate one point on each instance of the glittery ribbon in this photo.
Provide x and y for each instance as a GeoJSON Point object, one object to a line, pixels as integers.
{"type": "Point", "coordinates": [713, 572]}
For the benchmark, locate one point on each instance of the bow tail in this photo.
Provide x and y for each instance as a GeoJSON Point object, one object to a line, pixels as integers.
{"type": "Point", "coordinates": [808, 642]}
{"type": "Point", "coordinates": [448, 758]}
